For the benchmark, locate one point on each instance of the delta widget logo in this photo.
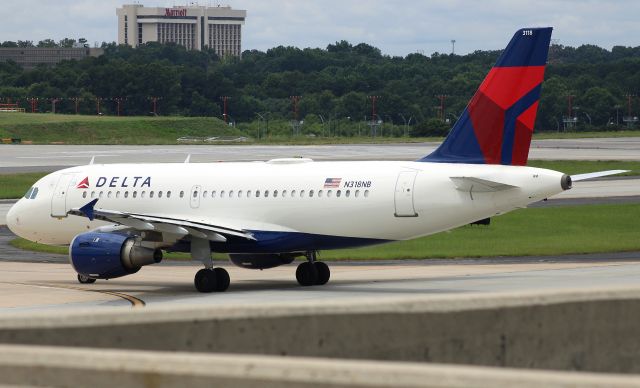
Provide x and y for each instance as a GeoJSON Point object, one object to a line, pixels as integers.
{"type": "Point", "coordinates": [84, 184]}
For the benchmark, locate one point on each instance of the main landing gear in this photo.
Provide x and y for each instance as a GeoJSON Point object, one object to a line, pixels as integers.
{"type": "Point", "coordinates": [312, 272]}
{"type": "Point", "coordinates": [208, 279]}
{"type": "Point", "coordinates": [212, 279]}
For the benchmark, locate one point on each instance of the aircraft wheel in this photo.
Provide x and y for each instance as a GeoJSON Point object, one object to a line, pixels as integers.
{"type": "Point", "coordinates": [307, 274]}
{"type": "Point", "coordinates": [84, 279]}
{"type": "Point", "coordinates": [324, 273]}
{"type": "Point", "coordinates": [205, 280]}
{"type": "Point", "coordinates": [222, 279]}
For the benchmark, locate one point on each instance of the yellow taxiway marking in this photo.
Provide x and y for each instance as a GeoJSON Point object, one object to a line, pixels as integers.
{"type": "Point", "coordinates": [135, 302]}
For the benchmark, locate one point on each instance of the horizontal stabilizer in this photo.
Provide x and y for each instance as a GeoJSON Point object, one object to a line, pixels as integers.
{"type": "Point", "coordinates": [591, 175]}
{"type": "Point", "coordinates": [466, 183]}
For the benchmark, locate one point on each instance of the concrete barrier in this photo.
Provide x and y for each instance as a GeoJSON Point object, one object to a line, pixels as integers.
{"type": "Point", "coordinates": [71, 367]}
{"type": "Point", "coordinates": [586, 331]}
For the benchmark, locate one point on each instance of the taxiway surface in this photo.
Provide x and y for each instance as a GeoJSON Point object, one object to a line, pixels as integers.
{"type": "Point", "coordinates": [48, 286]}
{"type": "Point", "coordinates": [20, 158]}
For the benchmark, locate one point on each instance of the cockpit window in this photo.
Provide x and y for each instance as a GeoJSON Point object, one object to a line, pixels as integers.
{"type": "Point", "coordinates": [31, 193]}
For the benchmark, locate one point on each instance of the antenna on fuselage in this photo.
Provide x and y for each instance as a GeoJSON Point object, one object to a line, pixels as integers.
{"type": "Point", "coordinates": [188, 159]}
{"type": "Point", "coordinates": [93, 159]}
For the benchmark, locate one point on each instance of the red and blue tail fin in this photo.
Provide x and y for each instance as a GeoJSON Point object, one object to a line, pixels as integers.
{"type": "Point", "coordinates": [496, 126]}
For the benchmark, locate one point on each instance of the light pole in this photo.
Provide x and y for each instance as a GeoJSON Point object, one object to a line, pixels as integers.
{"type": "Point", "coordinates": [406, 123]}
{"type": "Point", "coordinates": [323, 127]}
{"type": "Point", "coordinates": [262, 120]}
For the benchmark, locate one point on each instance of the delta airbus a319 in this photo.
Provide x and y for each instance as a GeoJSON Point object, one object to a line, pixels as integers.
{"type": "Point", "coordinates": [117, 218]}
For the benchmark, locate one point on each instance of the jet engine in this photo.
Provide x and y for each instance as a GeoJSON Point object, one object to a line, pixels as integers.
{"type": "Point", "coordinates": [109, 255]}
{"type": "Point", "coordinates": [262, 261]}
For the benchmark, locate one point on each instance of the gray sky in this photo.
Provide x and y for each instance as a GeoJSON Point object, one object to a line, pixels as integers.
{"type": "Point", "coordinates": [396, 27]}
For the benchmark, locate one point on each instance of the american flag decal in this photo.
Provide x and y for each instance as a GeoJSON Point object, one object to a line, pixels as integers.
{"type": "Point", "coordinates": [332, 183]}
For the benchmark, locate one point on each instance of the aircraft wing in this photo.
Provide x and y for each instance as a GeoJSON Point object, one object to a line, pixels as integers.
{"type": "Point", "coordinates": [467, 183]}
{"type": "Point", "coordinates": [158, 223]}
{"type": "Point", "coordinates": [591, 175]}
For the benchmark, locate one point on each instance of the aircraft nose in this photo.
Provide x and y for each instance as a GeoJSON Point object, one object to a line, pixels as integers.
{"type": "Point", "coordinates": [13, 218]}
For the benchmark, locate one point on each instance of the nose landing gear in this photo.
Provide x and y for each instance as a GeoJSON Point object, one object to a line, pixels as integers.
{"type": "Point", "coordinates": [312, 272]}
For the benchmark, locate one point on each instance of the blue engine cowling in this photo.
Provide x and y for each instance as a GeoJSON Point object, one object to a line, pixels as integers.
{"type": "Point", "coordinates": [262, 261]}
{"type": "Point", "coordinates": [109, 255]}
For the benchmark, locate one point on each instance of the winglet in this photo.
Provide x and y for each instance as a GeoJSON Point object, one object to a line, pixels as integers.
{"type": "Point", "coordinates": [93, 159]}
{"type": "Point", "coordinates": [188, 159]}
{"type": "Point", "coordinates": [87, 209]}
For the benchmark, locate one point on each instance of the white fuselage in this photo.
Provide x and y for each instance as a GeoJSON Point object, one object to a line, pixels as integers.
{"type": "Point", "coordinates": [362, 200]}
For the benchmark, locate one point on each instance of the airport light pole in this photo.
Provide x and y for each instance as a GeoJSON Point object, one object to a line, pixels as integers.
{"type": "Point", "coordinates": [224, 100]}
{"type": "Point", "coordinates": [406, 123]}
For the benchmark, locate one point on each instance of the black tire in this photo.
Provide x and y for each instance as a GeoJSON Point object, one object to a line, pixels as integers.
{"type": "Point", "coordinates": [324, 273]}
{"type": "Point", "coordinates": [84, 279]}
{"type": "Point", "coordinates": [306, 274]}
{"type": "Point", "coordinates": [205, 280]}
{"type": "Point", "coordinates": [222, 279]}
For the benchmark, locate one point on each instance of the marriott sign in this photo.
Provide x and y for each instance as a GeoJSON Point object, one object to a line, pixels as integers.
{"type": "Point", "coordinates": [175, 12]}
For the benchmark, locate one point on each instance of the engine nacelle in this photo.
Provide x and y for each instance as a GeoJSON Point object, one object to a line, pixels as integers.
{"type": "Point", "coordinates": [109, 255]}
{"type": "Point", "coordinates": [262, 261]}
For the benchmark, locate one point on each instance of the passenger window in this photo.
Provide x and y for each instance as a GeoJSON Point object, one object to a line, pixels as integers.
{"type": "Point", "coordinates": [117, 194]}
{"type": "Point", "coordinates": [266, 193]}
{"type": "Point", "coordinates": [126, 194]}
{"type": "Point", "coordinates": [320, 193]}
{"type": "Point", "coordinates": [100, 195]}
{"type": "Point", "coordinates": [257, 193]}
{"type": "Point", "coordinates": [329, 193]}
{"type": "Point", "coordinates": [204, 194]}
{"type": "Point", "coordinates": [338, 193]}
{"type": "Point", "coordinates": [84, 194]}
{"type": "Point", "coordinates": [301, 193]}
{"type": "Point", "coordinates": [239, 193]}
{"type": "Point", "coordinates": [142, 194]}
{"type": "Point", "coordinates": [159, 194]}
{"type": "Point", "coordinates": [310, 193]}
{"type": "Point", "coordinates": [222, 194]}
{"type": "Point", "coordinates": [284, 193]}
{"type": "Point", "coordinates": [293, 193]}
{"type": "Point", "coordinates": [195, 194]}
{"type": "Point", "coordinates": [230, 193]}
{"type": "Point", "coordinates": [347, 193]}
{"type": "Point", "coordinates": [357, 193]}
{"type": "Point", "coordinates": [213, 194]}
{"type": "Point", "coordinates": [275, 193]}
{"type": "Point", "coordinates": [93, 194]}
{"type": "Point", "coordinates": [182, 194]}
{"type": "Point", "coordinates": [109, 194]}
{"type": "Point", "coordinates": [135, 194]}
{"type": "Point", "coordinates": [248, 193]}
{"type": "Point", "coordinates": [151, 194]}
{"type": "Point", "coordinates": [169, 194]}
{"type": "Point", "coordinates": [366, 193]}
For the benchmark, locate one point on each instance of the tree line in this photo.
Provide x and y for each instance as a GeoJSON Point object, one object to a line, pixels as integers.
{"type": "Point", "coordinates": [418, 94]}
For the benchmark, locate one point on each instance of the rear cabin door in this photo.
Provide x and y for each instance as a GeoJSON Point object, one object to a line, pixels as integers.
{"type": "Point", "coordinates": [195, 196]}
{"type": "Point", "coordinates": [404, 194]}
{"type": "Point", "coordinates": [59, 198]}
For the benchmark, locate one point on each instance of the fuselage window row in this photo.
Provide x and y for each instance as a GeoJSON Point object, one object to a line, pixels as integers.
{"type": "Point", "coordinates": [223, 194]}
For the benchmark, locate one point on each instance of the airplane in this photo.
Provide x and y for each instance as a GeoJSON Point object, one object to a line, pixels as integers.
{"type": "Point", "coordinates": [117, 218]}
